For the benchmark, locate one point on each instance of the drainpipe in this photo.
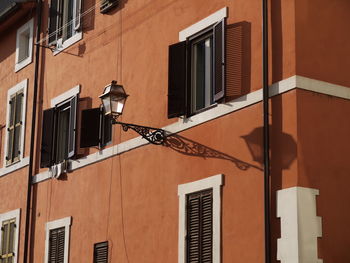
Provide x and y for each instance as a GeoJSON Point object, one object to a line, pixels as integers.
{"type": "Point", "coordinates": [32, 139]}
{"type": "Point", "coordinates": [266, 131]}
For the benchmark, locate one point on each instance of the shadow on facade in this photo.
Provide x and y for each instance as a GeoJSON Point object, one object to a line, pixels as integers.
{"type": "Point", "coordinates": [189, 147]}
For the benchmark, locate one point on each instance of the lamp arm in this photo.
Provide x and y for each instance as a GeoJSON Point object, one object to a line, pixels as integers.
{"type": "Point", "coordinates": [153, 135]}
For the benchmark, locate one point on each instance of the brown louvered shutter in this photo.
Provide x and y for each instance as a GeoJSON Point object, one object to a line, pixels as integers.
{"type": "Point", "coordinates": [200, 227]}
{"type": "Point", "coordinates": [47, 138]}
{"type": "Point", "coordinates": [56, 245]}
{"type": "Point", "coordinates": [90, 129]}
{"type": "Point", "coordinates": [219, 60]}
{"type": "Point", "coordinates": [101, 252]}
{"type": "Point", "coordinates": [177, 80]}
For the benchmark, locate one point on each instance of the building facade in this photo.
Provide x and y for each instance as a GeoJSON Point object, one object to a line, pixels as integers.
{"type": "Point", "coordinates": [194, 70]}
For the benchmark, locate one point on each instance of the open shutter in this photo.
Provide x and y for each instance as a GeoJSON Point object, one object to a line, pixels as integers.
{"type": "Point", "coordinates": [219, 60]}
{"type": "Point", "coordinates": [47, 138]}
{"type": "Point", "coordinates": [90, 129]}
{"type": "Point", "coordinates": [77, 16]}
{"type": "Point", "coordinates": [177, 80]}
{"type": "Point", "coordinates": [106, 129]}
{"type": "Point", "coordinates": [101, 252]}
{"type": "Point", "coordinates": [72, 126]}
{"type": "Point", "coordinates": [200, 227]}
{"type": "Point", "coordinates": [53, 22]}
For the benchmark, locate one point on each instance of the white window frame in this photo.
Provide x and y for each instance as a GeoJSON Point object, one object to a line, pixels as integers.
{"type": "Point", "coordinates": [7, 216]}
{"type": "Point", "coordinates": [26, 28]}
{"type": "Point", "coordinates": [63, 222]}
{"type": "Point", "coordinates": [214, 183]}
{"type": "Point", "coordinates": [22, 86]}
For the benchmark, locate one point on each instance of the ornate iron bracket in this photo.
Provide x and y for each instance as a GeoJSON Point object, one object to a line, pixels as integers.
{"type": "Point", "coordinates": [153, 135]}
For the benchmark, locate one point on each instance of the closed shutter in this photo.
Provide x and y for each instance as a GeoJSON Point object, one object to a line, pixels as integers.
{"type": "Point", "coordinates": [7, 240]}
{"type": "Point", "coordinates": [177, 80]}
{"type": "Point", "coordinates": [56, 245]}
{"type": "Point", "coordinates": [72, 126]}
{"type": "Point", "coordinates": [200, 227]}
{"type": "Point", "coordinates": [90, 129]}
{"type": "Point", "coordinates": [53, 22]}
{"type": "Point", "coordinates": [101, 252]}
{"type": "Point", "coordinates": [219, 60]}
{"type": "Point", "coordinates": [47, 138]}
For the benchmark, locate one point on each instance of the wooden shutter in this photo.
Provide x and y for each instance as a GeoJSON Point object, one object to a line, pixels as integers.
{"type": "Point", "coordinates": [219, 60]}
{"type": "Point", "coordinates": [53, 22]}
{"type": "Point", "coordinates": [47, 138]}
{"type": "Point", "coordinates": [200, 227]}
{"type": "Point", "coordinates": [177, 80]}
{"type": "Point", "coordinates": [106, 130]}
{"type": "Point", "coordinates": [7, 240]}
{"type": "Point", "coordinates": [90, 130]}
{"type": "Point", "coordinates": [72, 126]}
{"type": "Point", "coordinates": [101, 252]}
{"type": "Point", "coordinates": [56, 245]}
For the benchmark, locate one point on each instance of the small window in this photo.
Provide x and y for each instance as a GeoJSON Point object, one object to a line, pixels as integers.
{"type": "Point", "coordinates": [64, 23]}
{"type": "Point", "coordinates": [59, 133]}
{"type": "Point", "coordinates": [196, 71]}
{"type": "Point", "coordinates": [7, 240]}
{"type": "Point", "coordinates": [199, 220]}
{"type": "Point", "coordinates": [24, 45]}
{"type": "Point", "coordinates": [56, 245]}
{"type": "Point", "coordinates": [101, 252]}
{"type": "Point", "coordinates": [9, 236]}
{"type": "Point", "coordinates": [15, 123]}
{"type": "Point", "coordinates": [57, 240]}
{"type": "Point", "coordinates": [199, 215]}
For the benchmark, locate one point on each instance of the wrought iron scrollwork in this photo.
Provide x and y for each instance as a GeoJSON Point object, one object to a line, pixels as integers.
{"type": "Point", "coordinates": [153, 135]}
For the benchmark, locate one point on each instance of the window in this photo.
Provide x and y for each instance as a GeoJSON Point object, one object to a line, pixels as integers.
{"type": "Point", "coordinates": [64, 23]}
{"type": "Point", "coordinates": [101, 252]}
{"type": "Point", "coordinates": [59, 130]}
{"type": "Point", "coordinates": [196, 71]}
{"type": "Point", "coordinates": [24, 45]}
{"type": "Point", "coordinates": [57, 241]}
{"type": "Point", "coordinates": [9, 236]}
{"type": "Point", "coordinates": [199, 220]}
{"type": "Point", "coordinates": [15, 123]}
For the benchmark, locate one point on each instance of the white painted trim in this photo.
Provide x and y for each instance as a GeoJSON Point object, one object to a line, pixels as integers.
{"type": "Point", "coordinates": [215, 183]}
{"type": "Point", "coordinates": [69, 42]}
{"type": "Point", "coordinates": [27, 26]}
{"type": "Point", "coordinates": [63, 222]}
{"type": "Point", "coordinates": [65, 96]}
{"type": "Point", "coordinates": [9, 215]}
{"type": "Point", "coordinates": [203, 24]}
{"type": "Point", "coordinates": [14, 167]}
{"type": "Point", "coordinates": [22, 86]}
{"type": "Point", "coordinates": [220, 110]}
{"type": "Point", "coordinates": [300, 227]}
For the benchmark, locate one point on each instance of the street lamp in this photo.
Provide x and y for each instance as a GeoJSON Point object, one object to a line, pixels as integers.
{"type": "Point", "coordinates": [113, 101]}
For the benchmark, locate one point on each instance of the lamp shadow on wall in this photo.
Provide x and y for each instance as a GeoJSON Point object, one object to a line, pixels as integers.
{"type": "Point", "coordinates": [287, 150]}
{"type": "Point", "coordinates": [189, 147]}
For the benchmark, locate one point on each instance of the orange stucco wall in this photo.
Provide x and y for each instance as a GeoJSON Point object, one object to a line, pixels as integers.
{"type": "Point", "coordinates": [131, 200]}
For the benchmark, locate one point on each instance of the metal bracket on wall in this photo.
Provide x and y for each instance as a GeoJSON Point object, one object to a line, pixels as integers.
{"type": "Point", "coordinates": [153, 135]}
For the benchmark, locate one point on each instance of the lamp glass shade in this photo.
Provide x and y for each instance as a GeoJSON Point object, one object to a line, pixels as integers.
{"type": "Point", "coordinates": [113, 99]}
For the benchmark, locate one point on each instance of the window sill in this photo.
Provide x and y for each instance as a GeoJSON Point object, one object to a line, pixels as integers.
{"type": "Point", "coordinates": [69, 42]}
{"type": "Point", "coordinates": [23, 63]}
{"type": "Point", "coordinates": [14, 166]}
{"type": "Point", "coordinates": [185, 119]}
